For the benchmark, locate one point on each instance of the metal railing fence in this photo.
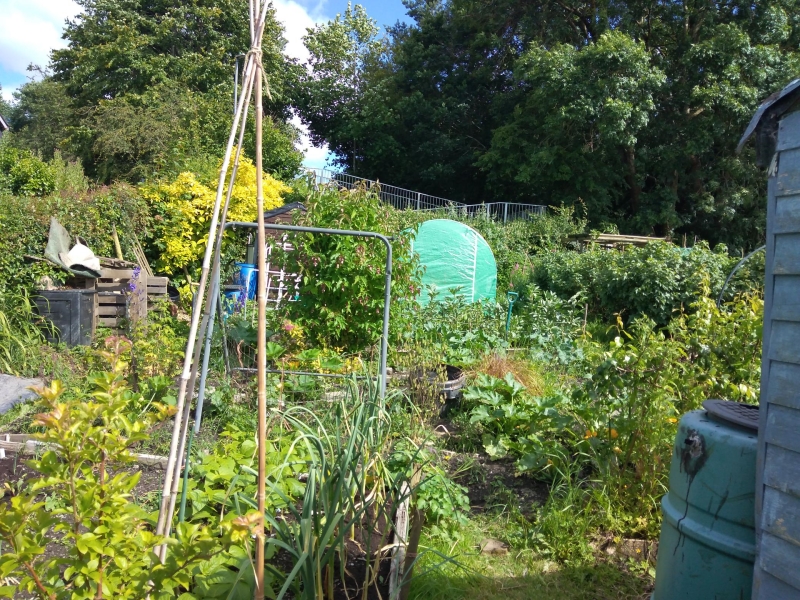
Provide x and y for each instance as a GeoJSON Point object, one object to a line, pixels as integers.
{"type": "Point", "coordinates": [403, 199]}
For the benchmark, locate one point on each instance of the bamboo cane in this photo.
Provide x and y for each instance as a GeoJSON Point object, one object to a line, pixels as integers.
{"type": "Point", "coordinates": [262, 338]}
{"type": "Point", "coordinates": [115, 237]}
{"type": "Point", "coordinates": [253, 18]}
{"type": "Point", "coordinates": [166, 501]}
{"type": "Point", "coordinates": [165, 515]}
{"type": "Point", "coordinates": [207, 315]}
{"type": "Point", "coordinates": [204, 326]}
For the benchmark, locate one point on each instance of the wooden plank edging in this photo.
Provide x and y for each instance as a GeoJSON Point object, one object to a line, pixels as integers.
{"type": "Point", "coordinates": [24, 444]}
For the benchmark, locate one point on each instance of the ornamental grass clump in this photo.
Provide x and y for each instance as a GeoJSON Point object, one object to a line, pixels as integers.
{"type": "Point", "coordinates": [20, 337]}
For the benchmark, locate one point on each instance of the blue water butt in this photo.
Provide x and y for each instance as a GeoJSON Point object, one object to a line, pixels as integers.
{"type": "Point", "coordinates": [247, 277]}
{"type": "Point", "coordinates": [707, 545]}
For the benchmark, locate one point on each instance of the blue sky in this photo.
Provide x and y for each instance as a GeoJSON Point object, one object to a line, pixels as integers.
{"type": "Point", "coordinates": [29, 29]}
{"type": "Point", "coordinates": [386, 12]}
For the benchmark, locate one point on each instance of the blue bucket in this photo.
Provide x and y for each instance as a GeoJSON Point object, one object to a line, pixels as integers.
{"type": "Point", "coordinates": [246, 276]}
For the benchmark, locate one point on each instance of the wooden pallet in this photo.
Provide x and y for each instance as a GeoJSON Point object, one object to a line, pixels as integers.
{"type": "Point", "coordinates": [111, 309]}
{"type": "Point", "coordinates": [157, 286]}
{"type": "Point", "coordinates": [116, 300]}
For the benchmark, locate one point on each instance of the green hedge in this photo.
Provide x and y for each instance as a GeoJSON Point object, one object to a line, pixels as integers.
{"type": "Point", "coordinates": [25, 223]}
{"type": "Point", "coordinates": [23, 173]}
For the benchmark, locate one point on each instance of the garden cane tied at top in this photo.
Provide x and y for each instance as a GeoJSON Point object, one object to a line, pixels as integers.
{"type": "Point", "coordinates": [253, 73]}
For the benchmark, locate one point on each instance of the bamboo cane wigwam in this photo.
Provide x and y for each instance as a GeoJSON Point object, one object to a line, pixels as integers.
{"type": "Point", "coordinates": [252, 82]}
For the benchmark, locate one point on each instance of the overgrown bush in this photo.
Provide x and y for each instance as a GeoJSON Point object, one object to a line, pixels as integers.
{"type": "Point", "coordinates": [23, 173]}
{"type": "Point", "coordinates": [619, 424]}
{"type": "Point", "coordinates": [342, 291]}
{"type": "Point", "coordinates": [25, 223]}
{"type": "Point", "coordinates": [658, 279]}
{"type": "Point", "coordinates": [182, 215]}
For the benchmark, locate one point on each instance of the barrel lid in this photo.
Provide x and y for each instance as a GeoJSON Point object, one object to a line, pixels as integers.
{"type": "Point", "coordinates": [744, 415]}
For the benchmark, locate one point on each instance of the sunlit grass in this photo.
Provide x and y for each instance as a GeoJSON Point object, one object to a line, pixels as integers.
{"type": "Point", "coordinates": [518, 575]}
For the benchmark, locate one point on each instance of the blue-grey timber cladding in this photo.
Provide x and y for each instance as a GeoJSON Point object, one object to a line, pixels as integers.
{"type": "Point", "coordinates": [777, 569]}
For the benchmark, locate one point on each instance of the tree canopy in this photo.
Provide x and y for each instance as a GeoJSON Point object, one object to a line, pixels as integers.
{"type": "Point", "coordinates": [145, 86]}
{"type": "Point", "coordinates": [628, 110]}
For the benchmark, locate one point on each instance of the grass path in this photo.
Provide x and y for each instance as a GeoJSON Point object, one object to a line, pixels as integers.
{"type": "Point", "coordinates": [518, 575]}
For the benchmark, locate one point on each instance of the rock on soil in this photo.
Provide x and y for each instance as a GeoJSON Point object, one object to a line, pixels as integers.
{"type": "Point", "coordinates": [490, 546]}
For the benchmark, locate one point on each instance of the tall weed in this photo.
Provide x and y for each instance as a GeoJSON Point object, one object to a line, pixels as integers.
{"type": "Point", "coordinates": [20, 336]}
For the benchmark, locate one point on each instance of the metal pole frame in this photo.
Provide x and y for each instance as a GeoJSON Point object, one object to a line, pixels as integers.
{"type": "Point", "coordinates": [387, 274]}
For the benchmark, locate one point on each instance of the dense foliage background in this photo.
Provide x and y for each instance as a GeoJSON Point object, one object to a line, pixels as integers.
{"type": "Point", "coordinates": [628, 111]}
{"type": "Point", "coordinates": [621, 116]}
{"type": "Point", "coordinates": [146, 87]}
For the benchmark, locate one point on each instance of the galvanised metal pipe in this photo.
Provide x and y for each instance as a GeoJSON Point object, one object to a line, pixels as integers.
{"type": "Point", "coordinates": [387, 274]}
{"type": "Point", "coordinates": [201, 394]}
{"type": "Point", "coordinates": [308, 373]}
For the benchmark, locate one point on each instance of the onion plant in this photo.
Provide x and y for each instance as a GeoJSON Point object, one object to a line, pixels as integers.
{"type": "Point", "coordinates": [349, 488]}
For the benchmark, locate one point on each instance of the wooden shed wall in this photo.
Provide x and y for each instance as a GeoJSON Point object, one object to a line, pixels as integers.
{"type": "Point", "coordinates": [777, 570]}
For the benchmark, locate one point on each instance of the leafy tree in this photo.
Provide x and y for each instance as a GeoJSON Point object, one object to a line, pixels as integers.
{"type": "Point", "coordinates": [574, 134]}
{"type": "Point", "coordinates": [43, 117]}
{"type": "Point", "coordinates": [117, 47]}
{"type": "Point", "coordinates": [145, 86]}
{"type": "Point", "coordinates": [5, 107]}
{"type": "Point", "coordinates": [341, 51]}
{"type": "Point", "coordinates": [629, 108]}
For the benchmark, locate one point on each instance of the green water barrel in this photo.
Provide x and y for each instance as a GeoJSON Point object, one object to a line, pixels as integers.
{"type": "Point", "coordinates": [707, 545]}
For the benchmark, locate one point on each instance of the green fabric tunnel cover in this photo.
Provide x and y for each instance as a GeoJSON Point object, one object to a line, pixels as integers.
{"type": "Point", "coordinates": [455, 256]}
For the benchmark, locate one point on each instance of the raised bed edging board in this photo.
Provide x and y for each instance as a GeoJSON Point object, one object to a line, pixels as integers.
{"type": "Point", "coordinates": [23, 443]}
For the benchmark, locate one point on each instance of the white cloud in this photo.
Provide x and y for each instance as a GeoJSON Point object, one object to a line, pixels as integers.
{"type": "Point", "coordinates": [296, 19]}
{"type": "Point", "coordinates": [30, 29]}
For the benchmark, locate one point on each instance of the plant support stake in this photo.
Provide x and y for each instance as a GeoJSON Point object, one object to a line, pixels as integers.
{"type": "Point", "coordinates": [262, 337]}
{"type": "Point", "coordinates": [512, 298]}
{"type": "Point", "coordinates": [167, 504]}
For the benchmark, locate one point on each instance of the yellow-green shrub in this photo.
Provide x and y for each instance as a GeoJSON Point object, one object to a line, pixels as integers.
{"type": "Point", "coordinates": [184, 208]}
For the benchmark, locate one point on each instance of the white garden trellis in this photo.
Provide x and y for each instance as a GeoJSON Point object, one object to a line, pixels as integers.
{"type": "Point", "coordinates": [282, 286]}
